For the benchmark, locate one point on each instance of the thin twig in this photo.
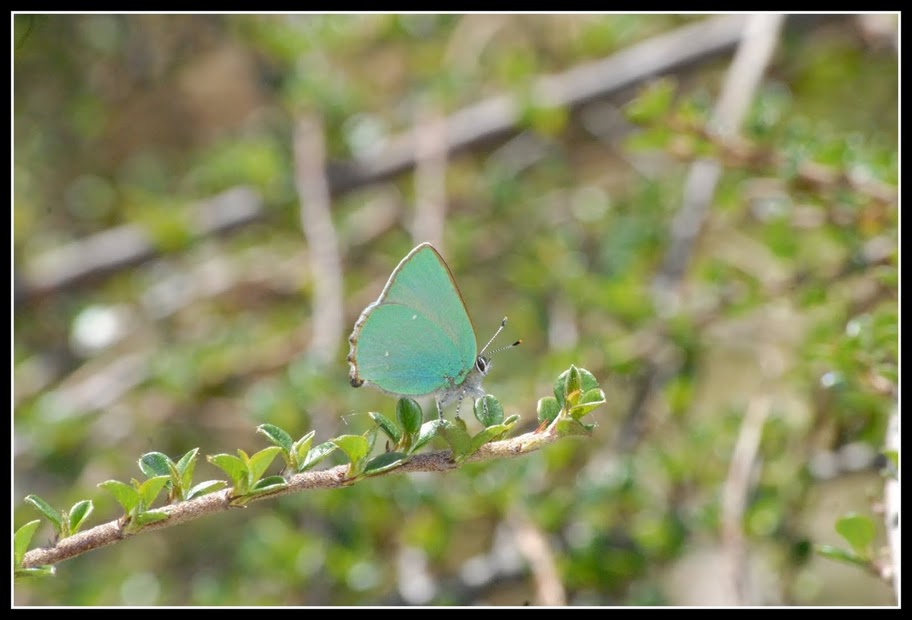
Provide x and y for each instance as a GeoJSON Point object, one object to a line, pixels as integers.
{"type": "Point", "coordinates": [740, 153]}
{"type": "Point", "coordinates": [760, 34]}
{"type": "Point", "coordinates": [534, 546]}
{"type": "Point", "coordinates": [734, 499]}
{"type": "Point", "coordinates": [891, 507]}
{"type": "Point", "coordinates": [316, 222]}
{"type": "Point", "coordinates": [336, 477]}
{"type": "Point", "coordinates": [741, 82]}
{"type": "Point", "coordinates": [498, 116]}
{"type": "Point", "coordinates": [107, 252]}
{"type": "Point", "coordinates": [115, 249]}
{"type": "Point", "coordinates": [430, 180]}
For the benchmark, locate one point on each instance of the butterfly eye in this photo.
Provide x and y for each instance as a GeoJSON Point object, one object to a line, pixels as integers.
{"type": "Point", "coordinates": [482, 365]}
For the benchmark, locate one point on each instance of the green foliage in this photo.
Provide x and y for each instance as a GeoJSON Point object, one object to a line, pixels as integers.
{"type": "Point", "coordinates": [858, 530]}
{"type": "Point", "coordinates": [66, 523]}
{"type": "Point", "coordinates": [409, 415]}
{"type": "Point", "coordinates": [180, 475]}
{"type": "Point", "coordinates": [246, 473]}
{"type": "Point", "coordinates": [488, 411]}
{"type": "Point", "coordinates": [789, 291]}
{"type": "Point", "coordinates": [652, 103]}
{"type": "Point", "coordinates": [384, 462]}
{"type": "Point", "coordinates": [576, 393]}
{"type": "Point", "coordinates": [356, 448]}
{"type": "Point", "coordinates": [136, 500]}
{"type": "Point", "coordinates": [298, 455]}
{"type": "Point", "coordinates": [21, 540]}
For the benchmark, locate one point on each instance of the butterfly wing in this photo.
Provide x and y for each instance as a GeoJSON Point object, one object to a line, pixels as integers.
{"type": "Point", "coordinates": [417, 336]}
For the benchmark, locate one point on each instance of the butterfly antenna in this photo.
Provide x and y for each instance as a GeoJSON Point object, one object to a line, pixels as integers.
{"type": "Point", "coordinates": [499, 329]}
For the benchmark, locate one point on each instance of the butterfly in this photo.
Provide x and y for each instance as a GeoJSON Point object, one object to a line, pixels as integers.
{"type": "Point", "coordinates": [417, 339]}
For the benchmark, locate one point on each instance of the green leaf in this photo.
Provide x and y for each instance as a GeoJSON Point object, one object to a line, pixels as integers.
{"type": "Point", "coordinates": [36, 571]}
{"type": "Point", "coordinates": [355, 447]}
{"type": "Point", "coordinates": [371, 437]}
{"type": "Point", "coordinates": [570, 426]}
{"type": "Point", "coordinates": [384, 462]}
{"type": "Point", "coordinates": [573, 382]}
{"type": "Point", "coordinates": [317, 454]}
{"type": "Point", "coordinates": [892, 457]}
{"type": "Point", "coordinates": [459, 440]}
{"type": "Point", "coordinates": [185, 468]}
{"type": "Point", "coordinates": [652, 103]}
{"type": "Point", "coordinates": [231, 465]}
{"type": "Point", "coordinates": [489, 411]}
{"type": "Point", "coordinates": [277, 436]}
{"type": "Point", "coordinates": [49, 512]}
{"type": "Point", "coordinates": [591, 399]}
{"type": "Point", "coordinates": [656, 138]}
{"type": "Point", "coordinates": [187, 462]}
{"type": "Point", "coordinates": [205, 488]}
{"type": "Point", "coordinates": [387, 426]}
{"type": "Point", "coordinates": [150, 489]}
{"type": "Point", "coordinates": [428, 431]}
{"type": "Point", "coordinates": [485, 436]}
{"type": "Point", "coordinates": [125, 495]}
{"type": "Point", "coordinates": [573, 388]}
{"type": "Point", "coordinates": [78, 514]}
{"type": "Point", "coordinates": [841, 555]}
{"type": "Point", "coordinates": [694, 110]}
{"type": "Point", "coordinates": [858, 530]}
{"type": "Point", "coordinates": [269, 483]}
{"type": "Point", "coordinates": [22, 538]}
{"type": "Point", "coordinates": [548, 409]}
{"type": "Point", "coordinates": [301, 447]}
{"type": "Point", "coordinates": [503, 429]}
{"type": "Point", "coordinates": [266, 485]}
{"type": "Point", "coordinates": [259, 463]}
{"type": "Point", "coordinates": [149, 516]}
{"type": "Point", "coordinates": [546, 120]}
{"type": "Point", "coordinates": [155, 464]}
{"type": "Point", "coordinates": [410, 416]}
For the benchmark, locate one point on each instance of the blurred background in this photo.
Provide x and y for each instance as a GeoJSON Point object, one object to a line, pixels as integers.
{"type": "Point", "coordinates": [203, 205]}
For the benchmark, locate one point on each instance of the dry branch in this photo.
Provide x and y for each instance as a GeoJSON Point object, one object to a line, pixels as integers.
{"type": "Point", "coordinates": [317, 225]}
{"type": "Point", "coordinates": [333, 478]}
{"type": "Point", "coordinates": [115, 249]}
{"type": "Point", "coordinates": [760, 34]}
{"type": "Point", "coordinates": [109, 251]}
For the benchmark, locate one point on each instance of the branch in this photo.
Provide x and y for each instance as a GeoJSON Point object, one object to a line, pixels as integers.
{"type": "Point", "coordinates": [430, 179]}
{"type": "Point", "coordinates": [316, 222]}
{"type": "Point", "coordinates": [107, 252]}
{"type": "Point", "coordinates": [739, 153]}
{"type": "Point", "coordinates": [333, 478]}
{"type": "Point", "coordinates": [533, 545]}
{"type": "Point", "coordinates": [652, 344]}
{"type": "Point", "coordinates": [891, 506]}
{"type": "Point", "coordinates": [743, 78]}
{"type": "Point", "coordinates": [112, 250]}
{"type": "Point", "coordinates": [497, 116]}
{"type": "Point", "coordinates": [741, 81]}
{"type": "Point", "coordinates": [735, 493]}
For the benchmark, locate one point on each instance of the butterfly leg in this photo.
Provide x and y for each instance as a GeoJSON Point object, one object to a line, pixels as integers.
{"type": "Point", "coordinates": [459, 403]}
{"type": "Point", "coordinates": [439, 410]}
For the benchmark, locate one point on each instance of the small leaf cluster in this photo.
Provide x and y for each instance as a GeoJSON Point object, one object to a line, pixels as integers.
{"type": "Point", "coordinates": [576, 394]}
{"type": "Point", "coordinates": [246, 473]}
{"type": "Point", "coordinates": [859, 531]}
{"type": "Point", "coordinates": [490, 413]}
